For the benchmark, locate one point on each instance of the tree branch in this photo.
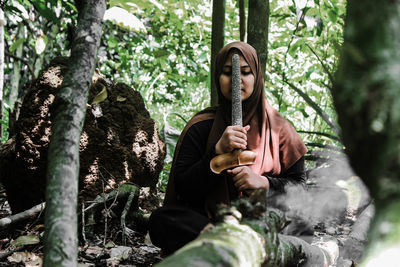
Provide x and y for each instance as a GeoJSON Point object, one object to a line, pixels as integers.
{"type": "Point", "coordinates": [331, 78]}
{"type": "Point", "coordinates": [315, 106]}
{"type": "Point", "coordinates": [23, 61]}
{"type": "Point", "coordinates": [323, 134]}
{"type": "Point", "coordinates": [4, 222]}
{"type": "Point", "coordinates": [335, 148]}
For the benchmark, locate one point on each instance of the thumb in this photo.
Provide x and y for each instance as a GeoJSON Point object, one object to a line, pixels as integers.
{"type": "Point", "coordinates": [247, 128]}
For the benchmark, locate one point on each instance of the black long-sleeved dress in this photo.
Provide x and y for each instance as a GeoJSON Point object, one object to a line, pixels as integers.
{"type": "Point", "coordinates": [171, 227]}
{"type": "Point", "coordinates": [193, 177]}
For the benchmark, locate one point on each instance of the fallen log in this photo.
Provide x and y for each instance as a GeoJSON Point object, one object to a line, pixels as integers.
{"type": "Point", "coordinates": [228, 244]}
{"type": "Point", "coordinates": [251, 241]}
{"type": "Point", "coordinates": [4, 222]}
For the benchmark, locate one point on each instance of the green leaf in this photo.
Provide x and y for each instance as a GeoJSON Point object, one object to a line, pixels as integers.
{"type": "Point", "coordinates": [69, 6]}
{"type": "Point", "coordinates": [25, 240]}
{"type": "Point", "coordinates": [161, 53]}
{"type": "Point", "coordinates": [293, 9]}
{"type": "Point", "coordinates": [100, 97]}
{"type": "Point", "coordinates": [53, 3]}
{"type": "Point", "coordinates": [16, 44]}
{"type": "Point", "coordinates": [112, 42]}
{"type": "Point", "coordinates": [295, 46]}
{"type": "Point", "coordinates": [46, 12]}
{"type": "Point", "coordinates": [309, 72]}
{"type": "Point", "coordinates": [332, 15]}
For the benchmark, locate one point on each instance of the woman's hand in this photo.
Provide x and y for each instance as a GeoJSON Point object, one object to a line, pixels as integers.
{"type": "Point", "coordinates": [232, 138]}
{"type": "Point", "coordinates": [244, 178]}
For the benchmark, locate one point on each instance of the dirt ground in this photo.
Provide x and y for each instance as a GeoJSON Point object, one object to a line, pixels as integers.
{"type": "Point", "coordinates": [21, 244]}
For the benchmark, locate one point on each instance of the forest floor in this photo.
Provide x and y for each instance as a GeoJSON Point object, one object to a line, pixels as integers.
{"type": "Point", "coordinates": [21, 243]}
{"type": "Point", "coordinates": [332, 214]}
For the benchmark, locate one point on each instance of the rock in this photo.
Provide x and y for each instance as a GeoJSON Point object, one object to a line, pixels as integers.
{"type": "Point", "coordinates": [119, 143]}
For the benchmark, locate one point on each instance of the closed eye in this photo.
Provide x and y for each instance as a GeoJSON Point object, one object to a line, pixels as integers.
{"type": "Point", "coordinates": [245, 70]}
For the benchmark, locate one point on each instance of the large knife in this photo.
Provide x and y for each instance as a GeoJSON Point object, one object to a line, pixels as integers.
{"type": "Point", "coordinates": [237, 157]}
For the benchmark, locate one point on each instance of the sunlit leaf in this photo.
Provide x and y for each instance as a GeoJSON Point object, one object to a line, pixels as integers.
{"type": "Point", "coordinates": [25, 240]}
{"type": "Point", "coordinates": [112, 42]}
{"type": "Point", "coordinates": [100, 97]}
{"type": "Point", "coordinates": [332, 15]}
{"type": "Point", "coordinates": [124, 18]}
{"type": "Point", "coordinates": [293, 48]}
{"type": "Point", "coordinates": [16, 44]}
{"type": "Point", "coordinates": [121, 99]}
{"type": "Point", "coordinates": [40, 44]}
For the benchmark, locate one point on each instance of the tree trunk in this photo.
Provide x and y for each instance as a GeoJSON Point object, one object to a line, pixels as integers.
{"type": "Point", "coordinates": [367, 99]}
{"type": "Point", "coordinates": [63, 155]}
{"type": "Point", "coordinates": [242, 17]}
{"type": "Point", "coordinates": [257, 28]}
{"type": "Point", "coordinates": [15, 81]}
{"type": "Point", "coordinates": [2, 23]}
{"type": "Point", "coordinates": [217, 42]}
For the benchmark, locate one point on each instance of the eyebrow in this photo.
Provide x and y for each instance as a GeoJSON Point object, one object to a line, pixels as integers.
{"type": "Point", "coordinates": [242, 67]}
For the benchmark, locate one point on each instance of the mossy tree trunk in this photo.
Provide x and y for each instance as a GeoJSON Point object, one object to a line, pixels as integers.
{"type": "Point", "coordinates": [217, 41]}
{"type": "Point", "coordinates": [2, 23]}
{"type": "Point", "coordinates": [257, 28]}
{"type": "Point", "coordinates": [63, 156]}
{"type": "Point", "coordinates": [367, 99]}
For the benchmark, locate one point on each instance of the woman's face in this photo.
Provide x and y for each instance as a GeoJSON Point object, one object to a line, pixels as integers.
{"type": "Point", "coordinates": [246, 77]}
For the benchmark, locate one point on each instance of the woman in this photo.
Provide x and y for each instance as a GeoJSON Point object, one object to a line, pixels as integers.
{"type": "Point", "coordinates": [193, 190]}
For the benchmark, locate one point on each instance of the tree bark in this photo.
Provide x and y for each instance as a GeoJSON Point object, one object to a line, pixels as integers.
{"type": "Point", "coordinates": [366, 96]}
{"type": "Point", "coordinates": [257, 29]}
{"type": "Point", "coordinates": [242, 17]}
{"type": "Point", "coordinates": [217, 42]}
{"type": "Point", "coordinates": [15, 81]}
{"type": "Point", "coordinates": [63, 155]}
{"type": "Point", "coordinates": [2, 23]}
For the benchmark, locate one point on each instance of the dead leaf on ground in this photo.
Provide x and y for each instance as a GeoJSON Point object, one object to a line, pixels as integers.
{"type": "Point", "coordinates": [28, 258]}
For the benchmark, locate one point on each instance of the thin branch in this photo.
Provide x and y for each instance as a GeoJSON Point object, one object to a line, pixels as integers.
{"type": "Point", "coordinates": [331, 78]}
{"type": "Point", "coordinates": [330, 147]}
{"type": "Point", "coordinates": [315, 106]}
{"type": "Point", "coordinates": [23, 61]}
{"type": "Point", "coordinates": [323, 134]}
{"type": "Point", "coordinates": [296, 29]}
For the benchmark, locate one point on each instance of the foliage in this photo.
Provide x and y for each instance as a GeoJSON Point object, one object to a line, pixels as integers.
{"type": "Point", "coordinates": [45, 27]}
{"type": "Point", "coordinates": [165, 54]}
{"type": "Point", "coordinates": [170, 60]}
{"type": "Point", "coordinates": [304, 42]}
